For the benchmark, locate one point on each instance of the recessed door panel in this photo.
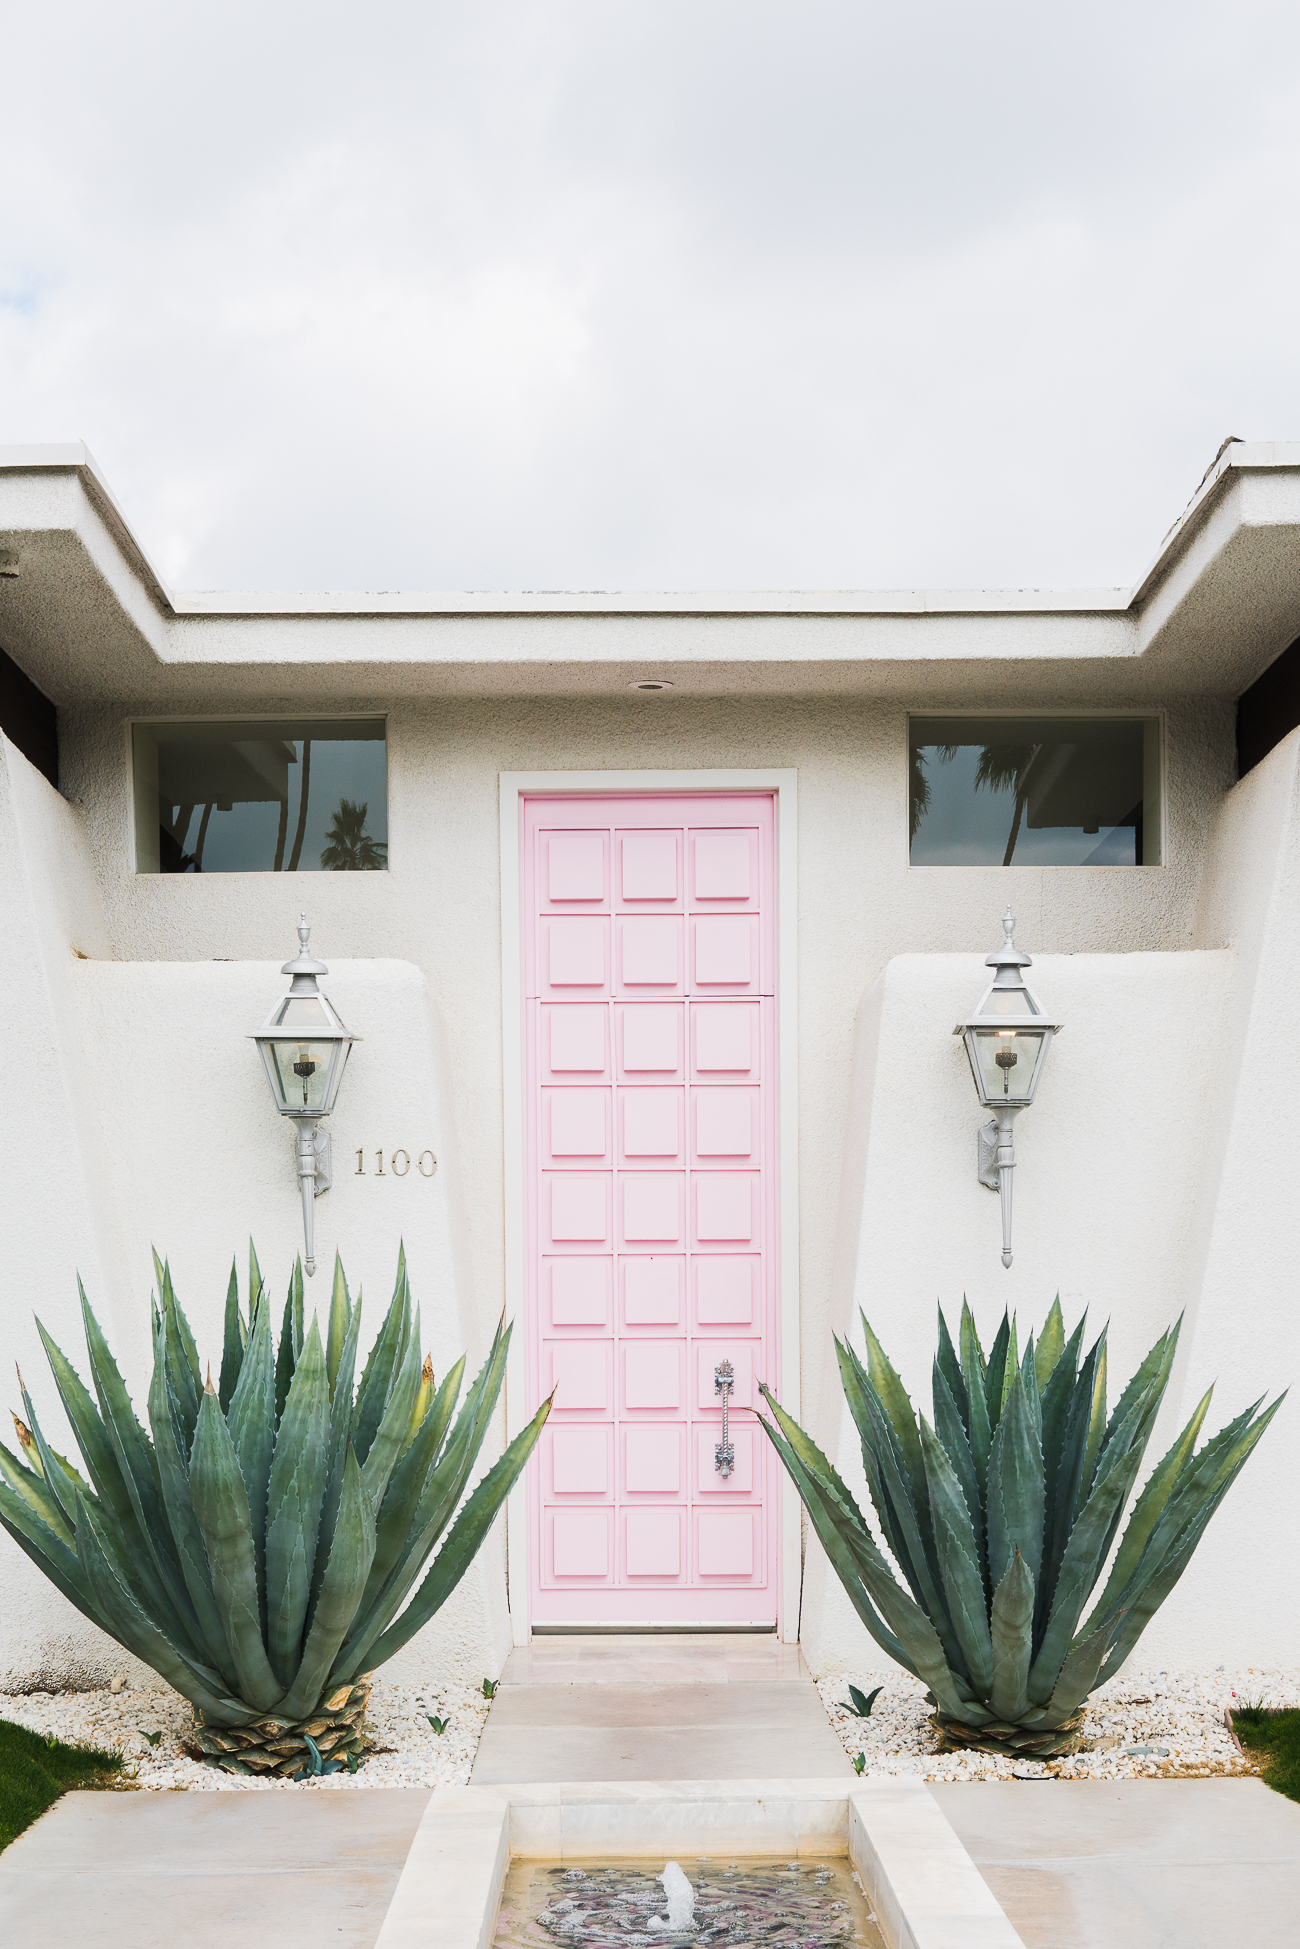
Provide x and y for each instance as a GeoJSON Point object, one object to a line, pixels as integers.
{"type": "Point", "coordinates": [651, 1231]}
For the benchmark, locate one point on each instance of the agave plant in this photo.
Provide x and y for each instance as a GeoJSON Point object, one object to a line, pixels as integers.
{"type": "Point", "coordinates": [1001, 1517]}
{"type": "Point", "coordinates": [258, 1551]}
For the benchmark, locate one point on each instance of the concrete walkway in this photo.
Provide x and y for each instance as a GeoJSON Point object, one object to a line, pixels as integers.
{"type": "Point", "coordinates": [150, 1870]}
{"type": "Point", "coordinates": [677, 1707]}
{"type": "Point", "coordinates": [1136, 1864]}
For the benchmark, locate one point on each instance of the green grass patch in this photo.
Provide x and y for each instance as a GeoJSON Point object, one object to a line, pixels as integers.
{"type": "Point", "coordinates": [34, 1771]}
{"type": "Point", "coordinates": [1272, 1738]}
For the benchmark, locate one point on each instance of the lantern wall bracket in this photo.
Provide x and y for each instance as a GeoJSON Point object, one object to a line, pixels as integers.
{"type": "Point", "coordinates": [987, 1157]}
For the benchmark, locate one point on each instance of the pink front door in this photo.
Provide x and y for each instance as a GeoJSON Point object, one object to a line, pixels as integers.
{"type": "Point", "coordinates": [649, 926]}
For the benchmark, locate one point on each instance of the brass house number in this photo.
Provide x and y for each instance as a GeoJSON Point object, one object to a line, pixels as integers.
{"type": "Point", "coordinates": [399, 1164]}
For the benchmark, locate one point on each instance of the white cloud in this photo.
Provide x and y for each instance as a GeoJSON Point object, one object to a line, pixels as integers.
{"type": "Point", "coordinates": [602, 295]}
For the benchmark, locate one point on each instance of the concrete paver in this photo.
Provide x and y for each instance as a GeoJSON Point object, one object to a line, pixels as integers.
{"type": "Point", "coordinates": [707, 1707]}
{"type": "Point", "coordinates": [1136, 1864]}
{"type": "Point", "coordinates": [148, 1870]}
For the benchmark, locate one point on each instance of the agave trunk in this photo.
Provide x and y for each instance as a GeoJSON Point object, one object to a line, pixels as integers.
{"type": "Point", "coordinates": [1015, 1741]}
{"type": "Point", "coordinates": [266, 1547]}
{"type": "Point", "coordinates": [332, 1737]}
{"type": "Point", "coordinates": [1001, 1517]}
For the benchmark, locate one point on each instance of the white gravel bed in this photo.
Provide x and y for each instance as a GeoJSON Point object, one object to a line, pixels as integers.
{"type": "Point", "coordinates": [399, 1716]}
{"type": "Point", "coordinates": [1143, 1724]}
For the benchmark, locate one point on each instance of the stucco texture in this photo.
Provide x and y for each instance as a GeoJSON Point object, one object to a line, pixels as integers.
{"type": "Point", "coordinates": [1144, 1124]}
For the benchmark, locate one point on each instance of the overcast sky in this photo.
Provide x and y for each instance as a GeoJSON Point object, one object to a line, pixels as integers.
{"type": "Point", "coordinates": [594, 294]}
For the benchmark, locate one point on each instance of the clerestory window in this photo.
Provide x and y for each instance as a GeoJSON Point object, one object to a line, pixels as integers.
{"type": "Point", "coordinates": [1035, 791]}
{"type": "Point", "coordinates": [282, 795]}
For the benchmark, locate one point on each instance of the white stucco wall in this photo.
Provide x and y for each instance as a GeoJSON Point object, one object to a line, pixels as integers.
{"type": "Point", "coordinates": [1110, 1209]}
{"type": "Point", "coordinates": [860, 903]}
{"type": "Point", "coordinates": [137, 1114]}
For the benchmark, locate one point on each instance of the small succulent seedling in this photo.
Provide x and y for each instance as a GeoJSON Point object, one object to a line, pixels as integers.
{"type": "Point", "coordinates": [859, 1705]}
{"type": "Point", "coordinates": [439, 1725]}
{"type": "Point", "coordinates": [490, 1688]}
{"type": "Point", "coordinates": [859, 1762]}
{"type": "Point", "coordinates": [151, 1737]}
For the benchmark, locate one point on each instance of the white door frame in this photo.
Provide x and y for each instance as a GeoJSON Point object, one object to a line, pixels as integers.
{"type": "Point", "coordinates": [784, 784]}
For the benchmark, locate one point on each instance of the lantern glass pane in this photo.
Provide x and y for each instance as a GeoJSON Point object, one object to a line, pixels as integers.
{"type": "Point", "coordinates": [303, 1072]}
{"type": "Point", "coordinates": [307, 1013]}
{"type": "Point", "coordinates": [1007, 1001]}
{"type": "Point", "coordinates": [1006, 1063]}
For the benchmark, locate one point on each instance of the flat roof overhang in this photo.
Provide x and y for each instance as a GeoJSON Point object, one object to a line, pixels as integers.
{"type": "Point", "coordinates": [90, 620]}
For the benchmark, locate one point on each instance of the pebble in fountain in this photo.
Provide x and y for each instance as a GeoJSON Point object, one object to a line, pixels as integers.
{"type": "Point", "coordinates": [680, 1918]}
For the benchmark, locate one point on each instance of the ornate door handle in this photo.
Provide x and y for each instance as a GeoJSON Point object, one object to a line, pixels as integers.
{"type": "Point", "coordinates": [724, 1379]}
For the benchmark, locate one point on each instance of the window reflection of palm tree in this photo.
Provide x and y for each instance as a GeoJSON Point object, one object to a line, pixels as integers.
{"type": "Point", "coordinates": [349, 848]}
{"type": "Point", "coordinates": [1008, 768]}
{"type": "Point", "coordinates": [1000, 768]}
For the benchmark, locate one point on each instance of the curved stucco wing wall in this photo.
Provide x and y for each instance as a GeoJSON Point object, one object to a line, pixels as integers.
{"type": "Point", "coordinates": [137, 1114]}
{"type": "Point", "coordinates": [1115, 1164]}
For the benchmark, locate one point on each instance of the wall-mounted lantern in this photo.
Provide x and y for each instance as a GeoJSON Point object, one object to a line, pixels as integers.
{"type": "Point", "coordinates": [1007, 1040]}
{"type": "Point", "coordinates": [304, 1047]}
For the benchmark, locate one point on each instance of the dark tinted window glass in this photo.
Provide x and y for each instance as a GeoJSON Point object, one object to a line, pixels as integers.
{"type": "Point", "coordinates": [1045, 791]}
{"type": "Point", "coordinates": [285, 796]}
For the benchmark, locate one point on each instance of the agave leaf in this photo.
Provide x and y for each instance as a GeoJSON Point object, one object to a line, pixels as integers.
{"type": "Point", "coordinates": [959, 1560]}
{"type": "Point", "coordinates": [423, 1398]}
{"type": "Point", "coordinates": [893, 1398]}
{"type": "Point", "coordinates": [1057, 1397]}
{"type": "Point", "coordinates": [919, 1561]}
{"type": "Point", "coordinates": [391, 1434]}
{"type": "Point", "coordinates": [1097, 1420]}
{"type": "Point", "coordinates": [1151, 1502]}
{"type": "Point", "coordinates": [467, 1534]}
{"type": "Point", "coordinates": [1051, 1344]}
{"type": "Point", "coordinates": [91, 1435]}
{"type": "Point", "coordinates": [251, 1422]}
{"type": "Point", "coordinates": [1002, 1362]}
{"type": "Point", "coordinates": [182, 1523]}
{"type": "Point", "coordinates": [1080, 1672]}
{"type": "Point", "coordinates": [339, 1445]}
{"type": "Point", "coordinates": [221, 1506]}
{"type": "Point", "coordinates": [254, 1282]}
{"type": "Point", "coordinates": [183, 1372]}
{"type": "Point", "coordinates": [835, 1515]}
{"type": "Point", "coordinates": [126, 1621]}
{"type": "Point", "coordinates": [352, 1548]}
{"type": "Point", "coordinates": [1069, 1474]}
{"type": "Point", "coordinates": [39, 1528]}
{"type": "Point", "coordinates": [443, 1489]}
{"type": "Point", "coordinates": [1010, 1628]}
{"type": "Point", "coordinates": [947, 1363]}
{"type": "Point", "coordinates": [1204, 1476]}
{"type": "Point", "coordinates": [232, 1351]}
{"type": "Point", "coordinates": [1153, 1583]}
{"type": "Point", "coordinates": [396, 1531]}
{"type": "Point", "coordinates": [62, 1478]}
{"type": "Point", "coordinates": [1086, 1551]}
{"type": "Point", "coordinates": [1016, 1494]}
{"type": "Point", "coordinates": [377, 1377]}
{"type": "Point", "coordinates": [1156, 1367]}
{"type": "Point", "coordinates": [858, 1392]}
{"type": "Point", "coordinates": [294, 1497]}
{"type": "Point", "coordinates": [974, 1371]}
{"type": "Point", "coordinates": [290, 1340]}
{"type": "Point", "coordinates": [35, 1493]}
{"type": "Point", "coordinates": [844, 1536]}
{"type": "Point", "coordinates": [951, 1432]}
{"type": "Point", "coordinates": [340, 1316]}
{"type": "Point", "coordinates": [138, 1467]}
